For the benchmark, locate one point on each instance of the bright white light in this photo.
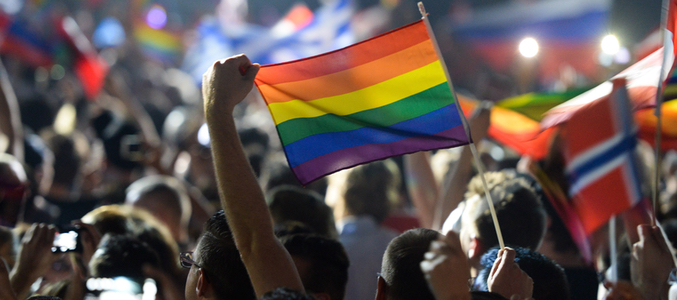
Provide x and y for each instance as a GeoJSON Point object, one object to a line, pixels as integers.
{"type": "Point", "coordinates": [203, 135]}
{"type": "Point", "coordinates": [528, 47]}
{"type": "Point", "coordinates": [610, 45]}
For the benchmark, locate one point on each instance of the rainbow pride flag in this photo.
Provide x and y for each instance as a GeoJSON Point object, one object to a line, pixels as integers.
{"type": "Point", "coordinates": [379, 98]}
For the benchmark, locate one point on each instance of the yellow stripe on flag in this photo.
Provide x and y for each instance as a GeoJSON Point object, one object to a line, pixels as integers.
{"type": "Point", "coordinates": [377, 95]}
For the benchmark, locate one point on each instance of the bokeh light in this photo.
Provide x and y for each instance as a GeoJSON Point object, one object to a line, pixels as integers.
{"type": "Point", "coordinates": [528, 47]}
{"type": "Point", "coordinates": [610, 45]}
{"type": "Point", "coordinates": [156, 17]}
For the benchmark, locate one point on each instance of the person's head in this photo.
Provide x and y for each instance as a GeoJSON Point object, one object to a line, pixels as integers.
{"type": "Point", "coordinates": [289, 203]}
{"type": "Point", "coordinates": [520, 214]}
{"type": "Point", "coordinates": [401, 276]}
{"type": "Point", "coordinates": [166, 199]}
{"type": "Point", "coordinates": [122, 255]}
{"type": "Point", "coordinates": [69, 155]}
{"type": "Point", "coordinates": [321, 262]}
{"type": "Point", "coordinates": [372, 189]}
{"type": "Point", "coordinates": [286, 294]}
{"type": "Point", "coordinates": [121, 142]}
{"type": "Point", "coordinates": [218, 272]}
{"type": "Point", "coordinates": [550, 282]}
{"type": "Point", "coordinates": [125, 220]}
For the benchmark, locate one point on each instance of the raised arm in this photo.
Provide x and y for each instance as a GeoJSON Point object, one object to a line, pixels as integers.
{"type": "Point", "coordinates": [453, 189]}
{"type": "Point", "coordinates": [421, 185]}
{"type": "Point", "coordinates": [10, 117]}
{"type": "Point", "coordinates": [268, 263]}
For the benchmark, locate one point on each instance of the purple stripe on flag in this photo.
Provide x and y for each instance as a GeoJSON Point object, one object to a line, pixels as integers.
{"type": "Point", "coordinates": [349, 157]}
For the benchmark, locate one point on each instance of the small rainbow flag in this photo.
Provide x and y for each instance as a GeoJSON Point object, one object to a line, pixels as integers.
{"type": "Point", "coordinates": [379, 98]}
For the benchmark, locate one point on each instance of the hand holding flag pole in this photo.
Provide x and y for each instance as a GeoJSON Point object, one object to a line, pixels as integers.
{"type": "Point", "coordinates": [473, 149]}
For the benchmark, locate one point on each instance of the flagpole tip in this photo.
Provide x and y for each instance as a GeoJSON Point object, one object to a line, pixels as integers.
{"type": "Point", "coordinates": [421, 9]}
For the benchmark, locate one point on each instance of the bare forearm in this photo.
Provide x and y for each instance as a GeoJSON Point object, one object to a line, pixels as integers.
{"type": "Point", "coordinates": [10, 116]}
{"type": "Point", "coordinates": [268, 263]}
{"type": "Point", "coordinates": [453, 189]}
{"type": "Point", "coordinates": [421, 185]}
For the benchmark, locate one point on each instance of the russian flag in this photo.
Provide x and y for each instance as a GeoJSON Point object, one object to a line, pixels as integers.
{"type": "Point", "coordinates": [600, 163]}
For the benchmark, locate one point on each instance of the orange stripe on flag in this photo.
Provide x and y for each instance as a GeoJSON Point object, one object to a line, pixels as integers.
{"type": "Point", "coordinates": [353, 79]}
{"type": "Point", "coordinates": [346, 58]}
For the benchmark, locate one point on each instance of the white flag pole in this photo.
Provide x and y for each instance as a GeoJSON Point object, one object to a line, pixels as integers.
{"type": "Point", "coordinates": [480, 167]}
{"type": "Point", "coordinates": [613, 275]}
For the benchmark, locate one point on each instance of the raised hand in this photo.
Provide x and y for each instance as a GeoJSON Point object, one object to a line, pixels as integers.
{"type": "Point", "coordinates": [446, 268]}
{"type": "Point", "coordinates": [506, 277]}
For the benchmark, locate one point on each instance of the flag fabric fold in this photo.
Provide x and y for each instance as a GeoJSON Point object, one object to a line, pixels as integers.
{"type": "Point", "coordinates": [379, 98]}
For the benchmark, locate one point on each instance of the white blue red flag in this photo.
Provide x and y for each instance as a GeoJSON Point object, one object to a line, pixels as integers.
{"type": "Point", "coordinates": [600, 159]}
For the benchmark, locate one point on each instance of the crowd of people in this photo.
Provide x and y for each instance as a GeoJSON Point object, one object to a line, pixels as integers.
{"type": "Point", "coordinates": [186, 194]}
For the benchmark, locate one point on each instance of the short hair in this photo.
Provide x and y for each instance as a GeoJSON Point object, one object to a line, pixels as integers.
{"type": "Point", "coordinates": [290, 203]}
{"type": "Point", "coordinates": [69, 152]}
{"type": "Point", "coordinates": [401, 265]}
{"type": "Point", "coordinates": [372, 189]}
{"type": "Point", "coordinates": [122, 255]}
{"type": "Point", "coordinates": [171, 190]}
{"type": "Point", "coordinates": [282, 293]}
{"type": "Point", "coordinates": [328, 261]}
{"type": "Point", "coordinates": [43, 297]}
{"type": "Point", "coordinates": [550, 282]}
{"type": "Point", "coordinates": [519, 211]}
{"type": "Point", "coordinates": [221, 260]}
{"type": "Point", "coordinates": [124, 220]}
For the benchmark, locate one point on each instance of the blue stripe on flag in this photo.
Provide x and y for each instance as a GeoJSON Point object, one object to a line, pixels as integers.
{"type": "Point", "coordinates": [623, 147]}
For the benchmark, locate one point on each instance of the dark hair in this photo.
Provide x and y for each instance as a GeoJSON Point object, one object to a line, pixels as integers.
{"type": "Point", "coordinates": [112, 137]}
{"type": "Point", "coordinates": [67, 161]}
{"type": "Point", "coordinates": [221, 260]}
{"type": "Point", "coordinates": [401, 265]}
{"type": "Point", "coordinates": [328, 271]}
{"type": "Point", "coordinates": [371, 189]}
{"type": "Point", "coordinates": [290, 203]}
{"type": "Point", "coordinates": [550, 282]}
{"type": "Point", "coordinates": [122, 255]}
{"type": "Point", "coordinates": [286, 294]}
{"type": "Point", "coordinates": [520, 213]}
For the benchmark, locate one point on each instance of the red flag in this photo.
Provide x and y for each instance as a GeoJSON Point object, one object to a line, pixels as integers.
{"type": "Point", "coordinates": [90, 69]}
{"type": "Point", "coordinates": [600, 163]}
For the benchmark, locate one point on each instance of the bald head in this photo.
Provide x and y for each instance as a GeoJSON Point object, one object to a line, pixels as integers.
{"type": "Point", "coordinates": [166, 199]}
{"type": "Point", "coordinates": [11, 170]}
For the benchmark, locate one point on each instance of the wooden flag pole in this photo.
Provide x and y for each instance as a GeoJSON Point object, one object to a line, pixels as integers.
{"type": "Point", "coordinates": [480, 167]}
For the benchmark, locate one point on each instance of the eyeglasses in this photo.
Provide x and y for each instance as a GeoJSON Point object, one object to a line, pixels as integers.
{"type": "Point", "coordinates": [187, 261]}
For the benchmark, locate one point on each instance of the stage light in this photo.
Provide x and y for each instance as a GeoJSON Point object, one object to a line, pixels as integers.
{"type": "Point", "coordinates": [528, 47]}
{"type": "Point", "coordinates": [610, 45]}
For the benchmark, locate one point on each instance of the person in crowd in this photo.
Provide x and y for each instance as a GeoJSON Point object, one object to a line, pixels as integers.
{"type": "Point", "coordinates": [519, 211]}
{"type": "Point", "coordinates": [165, 198]}
{"type": "Point", "coordinates": [549, 281]}
{"type": "Point", "coordinates": [121, 255]}
{"type": "Point", "coordinates": [267, 262]}
{"type": "Point", "coordinates": [290, 203]}
{"type": "Point", "coordinates": [364, 201]}
{"type": "Point", "coordinates": [401, 277]}
{"type": "Point", "coordinates": [13, 187]}
{"type": "Point", "coordinates": [216, 269]}
{"type": "Point", "coordinates": [8, 246]}
{"type": "Point", "coordinates": [321, 262]}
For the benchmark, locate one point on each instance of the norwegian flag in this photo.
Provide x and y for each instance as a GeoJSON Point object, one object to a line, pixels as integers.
{"type": "Point", "coordinates": [600, 161]}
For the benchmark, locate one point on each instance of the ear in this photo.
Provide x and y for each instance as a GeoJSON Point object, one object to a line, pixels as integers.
{"type": "Point", "coordinates": [476, 249]}
{"type": "Point", "coordinates": [203, 288]}
{"type": "Point", "coordinates": [381, 289]}
{"type": "Point", "coordinates": [322, 296]}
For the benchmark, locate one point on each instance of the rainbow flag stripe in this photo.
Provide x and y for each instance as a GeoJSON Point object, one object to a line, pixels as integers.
{"type": "Point", "coordinates": [379, 98]}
